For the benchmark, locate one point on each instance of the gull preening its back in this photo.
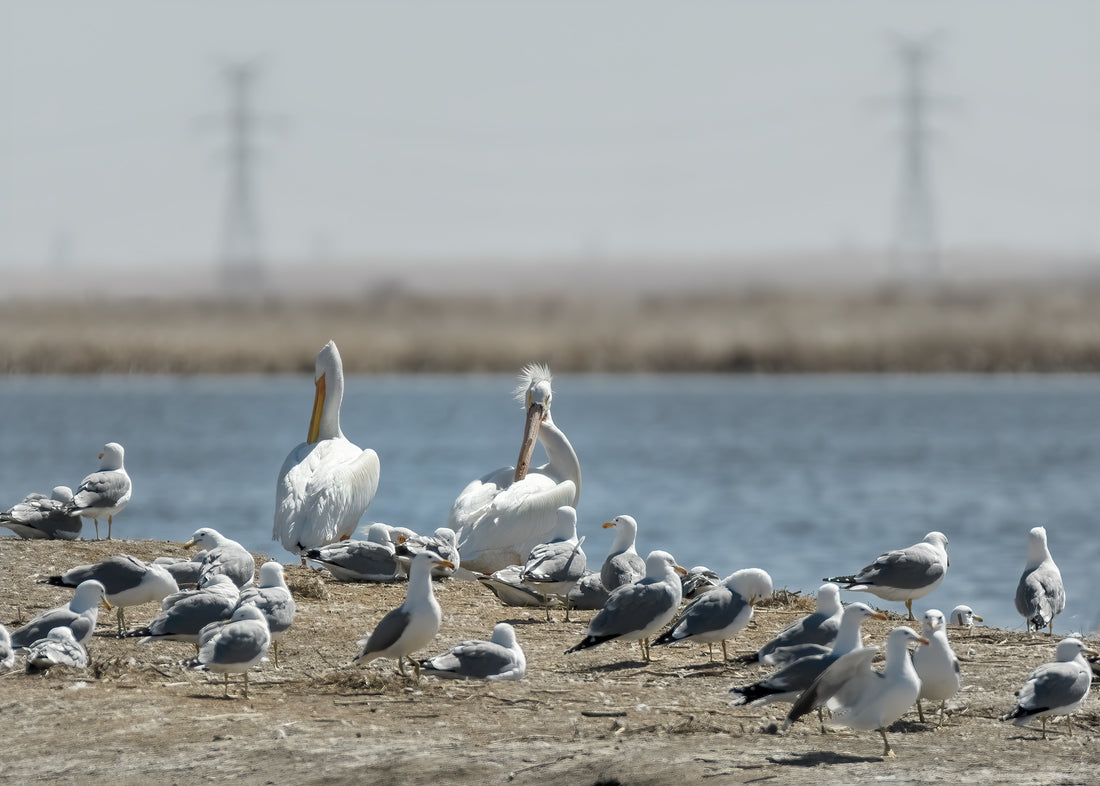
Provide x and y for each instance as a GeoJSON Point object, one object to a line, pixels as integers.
{"type": "Point", "coordinates": [224, 556]}
{"type": "Point", "coordinates": [905, 574]}
{"type": "Point", "coordinates": [501, 516]}
{"type": "Point", "coordinates": [104, 492]}
{"type": "Point", "coordinates": [326, 482]}
{"type": "Point", "coordinates": [1040, 594]}
{"type": "Point", "coordinates": [42, 517]}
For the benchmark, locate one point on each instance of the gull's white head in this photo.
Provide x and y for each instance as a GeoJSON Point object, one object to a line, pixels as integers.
{"type": "Point", "coordinates": [61, 494]}
{"type": "Point", "coordinates": [937, 539]}
{"type": "Point", "coordinates": [63, 633]}
{"type": "Point", "coordinates": [207, 537]}
{"type": "Point", "coordinates": [271, 575]}
{"type": "Point", "coordinates": [1037, 550]}
{"type": "Point", "coordinates": [1069, 649]}
{"type": "Point", "coordinates": [752, 584]}
{"type": "Point", "coordinates": [933, 621]}
{"type": "Point", "coordinates": [964, 615]}
{"type": "Point", "coordinates": [660, 563]}
{"type": "Point", "coordinates": [111, 457]}
{"type": "Point", "coordinates": [88, 593]}
{"type": "Point", "coordinates": [248, 612]}
{"type": "Point", "coordinates": [828, 598]}
{"type": "Point", "coordinates": [504, 635]}
{"type": "Point", "coordinates": [566, 527]}
{"type": "Point", "coordinates": [903, 637]}
{"type": "Point", "coordinates": [626, 532]}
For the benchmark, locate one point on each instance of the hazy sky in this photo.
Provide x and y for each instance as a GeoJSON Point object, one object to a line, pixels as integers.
{"type": "Point", "coordinates": [613, 129]}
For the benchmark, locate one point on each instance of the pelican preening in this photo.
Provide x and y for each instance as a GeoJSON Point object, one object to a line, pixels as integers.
{"type": "Point", "coordinates": [326, 482]}
{"type": "Point", "coordinates": [500, 517]}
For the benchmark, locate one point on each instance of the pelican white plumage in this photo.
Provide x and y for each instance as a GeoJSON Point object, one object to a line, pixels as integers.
{"type": "Point", "coordinates": [326, 482]}
{"type": "Point", "coordinates": [500, 517]}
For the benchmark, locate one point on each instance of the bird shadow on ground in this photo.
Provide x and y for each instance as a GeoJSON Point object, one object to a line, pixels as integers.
{"type": "Point", "coordinates": [818, 758]}
{"type": "Point", "coordinates": [622, 665]}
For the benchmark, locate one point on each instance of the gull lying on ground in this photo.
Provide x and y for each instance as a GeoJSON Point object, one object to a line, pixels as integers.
{"type": "Point", "coordinates": [498, 659]}
{"type": "Point", "coordinates": [964, 617]}
{"type": "Point", "coordinates": [372, 559]}
{"type": "Point", "coordinates": [802, 637]}
{"type": "Point", "coordinates": [59, 648]}
{"type": "Point", "coordinates": [183, 615]}
{"type": "Point", "coordinates": [42, 517]}
{"type": "Point", "coordinates": [223, 556]}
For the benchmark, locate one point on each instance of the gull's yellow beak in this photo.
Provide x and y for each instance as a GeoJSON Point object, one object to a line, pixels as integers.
{"type": "Point", "coordinates": [609, 524]}
{"type": "Point", "coordinates": [879, 615]}
{"type": "Point", "coordinates": [107, 604]}
{"type": "Point", "coordinates": [922, 640]}
{"type": "Point", "coordinates": [318, 408]}
{"type": "Point", "coordinates": [445, 563]}
{"type": "Point", "coordinates": [680, 569]}
{"type": "Point", "coordinates": [189, 543]}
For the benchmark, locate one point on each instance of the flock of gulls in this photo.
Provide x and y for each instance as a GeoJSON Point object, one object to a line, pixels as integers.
{"type": "Point", "coordinates": [514, 530]}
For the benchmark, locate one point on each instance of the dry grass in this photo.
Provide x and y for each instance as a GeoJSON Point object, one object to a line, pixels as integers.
{"type": "Point", "coordinates": [995, 328]}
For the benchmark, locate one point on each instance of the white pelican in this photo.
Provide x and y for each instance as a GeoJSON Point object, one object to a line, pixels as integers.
{"type": "Point", "coordinates": [326, 482]}
{"type": "Point", "coordinates": [503, 515]}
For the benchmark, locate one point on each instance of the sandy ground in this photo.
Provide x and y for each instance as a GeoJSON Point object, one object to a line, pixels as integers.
{"type": "Point", "coordinates": [594, 717]}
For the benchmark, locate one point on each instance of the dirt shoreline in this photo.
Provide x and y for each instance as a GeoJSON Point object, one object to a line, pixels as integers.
{"type": "Point", "coordinates": [598, 716]}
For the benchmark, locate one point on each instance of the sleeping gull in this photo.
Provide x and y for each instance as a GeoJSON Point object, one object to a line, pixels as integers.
{"type": "Point", "coordinates": [1040, 595]}
{"type": "Point", "coordinates": [128, 581]}
{"type": "Point", "coordinates": [498, 659]}
{"type": "Point", "coordinates": [637, 611]}
{"type": "Point", "coordinates": [936, 664]}
{"type": "Point", "coordinates": [185, 570]}
{"type": "Point", "coordinates": [361, 560]}
{"type": "Point", "coordinates": [622, 564]}
{"type": "Point", "coordinates": [39, 516]}
{"type": "Point", "coordinates": [274, 600]}
{"type": "Point", "coordinates": [7, 652]}
{"type": "Point", "coordinates": [183, 615]}
{"type": "Point", "coordinates": [721, 613]}
{"type": "Point", "coordinates": [1058, 688]}
{"type": "Point", "coordinates": [965, 617]}
{"type": "Point", "coordinates": [105, 492]}
{"type": "Point", "coordinates": [588, 594]}
{"type": "Point", "coordinates": [510, 589]}
{"type": "Point", "coordinates": [80, 614]}
{"type": "Point", "coordinates": [59, 648]}
{"type": "Point", "coordinates": [906, 574]}
{"type": "Point", "coordinates": [860, 697]}
{"type": "Point", "coordinates": [235, 646]}
{"type": "Point", "coordinates": [698, 580]}
{"type": "Point", "coordinates": [553, 568]}
{"type": "Point", "coordinates": [816, 630]}
{"type": "Point", "coordinates": [224, 556]}
{"type": "Point", "coordinates": [787, 682]}
{"type": "Point", "coordinates": [443, 542]}
{"type": "Point", "coordinates": [413, 624]}
{"type": "Point", "coordinates": [326, 482]}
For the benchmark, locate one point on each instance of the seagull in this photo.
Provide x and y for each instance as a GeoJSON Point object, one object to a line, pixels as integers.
{"type": "Point", "coordinates": [1058, 688]}
{"type": "Point", "coordinates": [637, 611]}
{"type": "Point", "coordinates": [721, 613]}
{"type": "Point", "coordinates": [361, 560]}
{"type": "Point", "coordinates": [859, 696]}
{"type": "Point", "coordinates": [185, 570]}
{"type": "Point", "coordinates": [553, 568]}
{"type": "Point", "coordinates": [906, 574]}
{"type": "Point", "coordinates": [698, 580]}
{"type": "Point", "coordinates": [498, 659]}
{"type": "Point", "coordinates": [274, 601]}
{"type": "Point", "coordinates": [509, 588]}
{"type": "Point", "coordinates": [589, 593]}
{"type": "Point", "coordinates": [80, 614]}
{"type": "Point", "coordinates": [59, 648]}
{"type": "Point", "coordinates": [501, 516]}
{"type": "Point", "coordinates": [818, 629]}
{"type": "Point", "coordinates": [223, 556]}
{"type": "Point", "coordinates": [965, 617]}
{"type": "Point", "coordinates": [40, 517]}
{"type": "Point", "coordinates": [788, 682]}
{"type": "Point", "coordinates": [326, 482]}
{"type": "Point", "coordinates": [128, 581]}
{"type": "Point", "coordinates": [413, 624]}
{"type": "Point", "coordinates": [7, 652]}
{"type": "Point", "coordinates": [235, 646]}
{"type": "Point", "coordinates": [622, 564]}
{"type": "Point", "coordinates": [1040, 595]}
{"type": "Point", "coordinates": [183, 615]}
{"type": "Point", "coordinates": [103, 493]}
{"type": "Point", "coordinates": [936, 664]}
{"type": "Point", "coordinates": [443, 542]}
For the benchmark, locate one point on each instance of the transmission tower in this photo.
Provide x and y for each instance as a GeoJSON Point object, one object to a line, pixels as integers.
{"type": "Point", "coordinates": [241, 263]}
{"type": "Point", "coordinates": [915, 250]}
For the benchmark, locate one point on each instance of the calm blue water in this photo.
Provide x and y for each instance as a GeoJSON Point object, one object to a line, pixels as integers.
{"type": "Point", "coordinates": [802, 476]}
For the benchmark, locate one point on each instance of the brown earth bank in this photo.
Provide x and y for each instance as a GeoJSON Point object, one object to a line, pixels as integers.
{"type": "Point", "coordinates": [1050, 327]}
{"type": "Point", "coordinates": [140, 714]}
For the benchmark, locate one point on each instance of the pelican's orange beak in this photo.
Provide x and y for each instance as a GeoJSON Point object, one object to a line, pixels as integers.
{"type": "Point", "coordinates": [535, 414]}
{"type": "Point", "coordinates": [318, 409]}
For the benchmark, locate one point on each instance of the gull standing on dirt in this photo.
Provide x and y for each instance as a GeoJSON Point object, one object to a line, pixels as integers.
{"type": "Point", "coordinates": [42, 517]}
{"type": "Point", "coordinates": [105, 492]}
{"type": "Point", "coordinates": [274, 601]}
{"type": "Point", "coordinates": [721, 613]}
{"type": "Point", "coordinates": [183, 615]}
{"type": "Point", "coordinates": [499, 659]}
{"type": "Point", "coordinates": [128, 581]}
{"type": "Point", "coordinates": [501, 516]}
{"type": "Point", "coordinates": [235, 646]}
{"type": "Point", "coordinates": [554, 568]}
{"type": "Point", "coordinates": [861, 697]}
{"type": "Point", "coordinates": [622, 564]}
{"type": "Point", "coordinates": [816, 630]}
{"type": "Point", "coordinates": [372, 559]}
{"type": "Point", "coordinates": [1058, 688]}
{"type": "Point", "coordinates": [413, 624]}
{"type": "Point", "coordinates": [788, 682]}
{"type": "Point", "coordinates": [326, 482]}
{"type": "Point", "coordinates": [906, 574]}
{"type": "Point", "coordinates": [964, 617]}
{"type": "Point", "coordinates": [224, 556]}
{"type": "Point", "coordinates": [80, 614]}
{"type": "Point", "coordinates": [59, 648]}
{"type": "Point", "coordinates": [7, 652]}
{"type": "Point", "coordinates": [1040, 595]}
{"type": "Point", "coordinates": [936, 664]}
{"type": "Point", "coordinates": [637, 611]}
